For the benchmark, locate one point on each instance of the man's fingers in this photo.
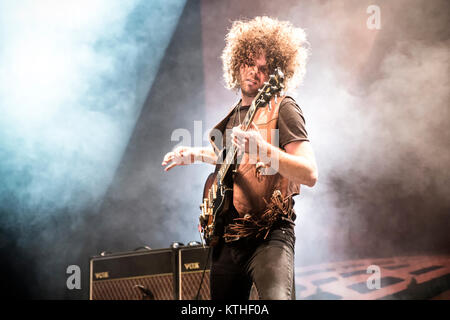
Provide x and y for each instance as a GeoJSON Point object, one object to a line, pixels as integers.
{"type": "Point", "coordinates": [179, 156]}
{"type": "Point", "coordinates": [238, 147]}
{"type": "Point", "coordinates": [239, 134]}
{"type": "Point", "coordinates": [168, 157]}
{"type": "Point", "coordinates": [237, 130]}
{"type": "Point", "coordinates": [238, 141]}
{"type": "Point", "coordinates": [170, 166]}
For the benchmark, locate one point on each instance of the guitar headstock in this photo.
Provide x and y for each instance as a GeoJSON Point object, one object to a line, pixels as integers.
{"type": "Point", "coordinates": [272, 87]}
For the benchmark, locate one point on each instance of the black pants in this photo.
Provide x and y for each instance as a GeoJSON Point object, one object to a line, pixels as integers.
{"type": "Point", "coordinates": [268, 263]}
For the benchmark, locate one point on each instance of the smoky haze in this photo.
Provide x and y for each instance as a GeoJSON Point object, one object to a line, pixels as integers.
{"type": "Point", "coordinates": [74, 78]}
{"type": "Point", "coordinates": [375, 103]}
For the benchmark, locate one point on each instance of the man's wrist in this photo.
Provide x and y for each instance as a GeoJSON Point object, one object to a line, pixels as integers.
{"type": "Point", "coordinates": [197, 155]}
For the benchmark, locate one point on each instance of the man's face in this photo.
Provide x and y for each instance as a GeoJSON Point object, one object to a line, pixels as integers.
{"type": "Point", "coordinates": [254, 76]}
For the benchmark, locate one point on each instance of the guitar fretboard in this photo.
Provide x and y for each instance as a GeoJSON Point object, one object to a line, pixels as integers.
{"type": "Point", "coordinates": [231, 153]}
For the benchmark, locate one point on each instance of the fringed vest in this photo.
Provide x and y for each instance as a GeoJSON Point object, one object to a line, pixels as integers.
{"type": "Point", "coordinates": [259, 197]}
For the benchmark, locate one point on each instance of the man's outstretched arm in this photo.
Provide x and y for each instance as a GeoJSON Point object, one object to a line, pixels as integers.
{"type": "Point", "coordinates": [181, 156]}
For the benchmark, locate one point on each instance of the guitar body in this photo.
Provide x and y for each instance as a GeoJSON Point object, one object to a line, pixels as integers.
{"type": "Point", "coordinates": [217, 198]}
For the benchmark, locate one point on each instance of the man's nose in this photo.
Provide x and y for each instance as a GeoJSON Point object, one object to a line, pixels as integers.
{"type": "Point", "coordinates": [253, 70]}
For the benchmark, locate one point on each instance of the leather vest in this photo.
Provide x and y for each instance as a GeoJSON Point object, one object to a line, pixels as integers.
{"type": "Point", "coordinates": [252, 191]}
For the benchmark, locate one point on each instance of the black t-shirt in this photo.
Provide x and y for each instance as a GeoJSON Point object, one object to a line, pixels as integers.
{"type": "Point", "coordinates": [291, 123]}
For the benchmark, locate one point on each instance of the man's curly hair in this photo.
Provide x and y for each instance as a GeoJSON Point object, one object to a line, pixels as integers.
{"type": "Point", "coordinates": [285, 47]}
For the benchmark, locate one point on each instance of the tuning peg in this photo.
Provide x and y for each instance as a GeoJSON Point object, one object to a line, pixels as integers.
{"type": "Point", "coordinates": [280, 73]}
{"type": "Point", "coordinates": [202, 208]}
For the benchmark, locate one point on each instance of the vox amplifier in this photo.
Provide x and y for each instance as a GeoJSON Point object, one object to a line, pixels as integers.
{"type": "Point", "coordinates": [133, 276]}
{"type": "Point", "coordinates": [178, 273]}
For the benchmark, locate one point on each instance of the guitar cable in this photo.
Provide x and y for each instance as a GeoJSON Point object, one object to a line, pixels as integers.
{"type": "Point", "coordinates": [203, 274]}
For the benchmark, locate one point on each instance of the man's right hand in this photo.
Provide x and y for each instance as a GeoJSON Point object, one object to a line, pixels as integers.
{"type": "Point", "coordinates": [180, 156]}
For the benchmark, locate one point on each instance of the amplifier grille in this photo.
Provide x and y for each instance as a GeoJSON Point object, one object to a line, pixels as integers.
{"type": "Point", "coordinates": [157, 272]}
{"type": "Point", "coordinates": [161, 286]}
{"type": "Point", "coordinates": [190, 282]}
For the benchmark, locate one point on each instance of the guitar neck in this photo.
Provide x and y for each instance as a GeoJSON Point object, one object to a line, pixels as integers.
{"type": "Point", "coordinates": [232, 151]}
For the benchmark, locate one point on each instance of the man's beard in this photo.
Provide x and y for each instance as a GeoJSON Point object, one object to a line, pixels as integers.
{"type": "Point", "coordinates": [249, 93]}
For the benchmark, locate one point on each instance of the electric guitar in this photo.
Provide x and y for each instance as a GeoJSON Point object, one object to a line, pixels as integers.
{"type": "Point", "coordinates": [218, 189]}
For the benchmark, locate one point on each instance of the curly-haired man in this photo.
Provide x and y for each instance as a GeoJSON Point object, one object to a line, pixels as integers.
{"type": "Point", "coordinates": [257, 244]}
